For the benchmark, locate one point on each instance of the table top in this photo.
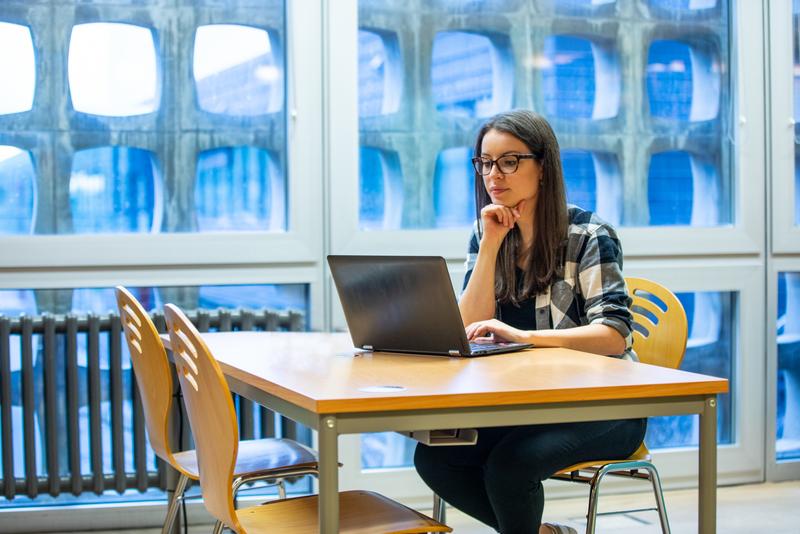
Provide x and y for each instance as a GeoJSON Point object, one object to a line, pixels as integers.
{"type": "Point", "coordinates": [323, 373]}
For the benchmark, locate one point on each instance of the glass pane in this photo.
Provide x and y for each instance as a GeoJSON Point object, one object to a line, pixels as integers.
{"type": "Point", "coordinates": [683, 80]}
{"type": "Point", "coordinates": [18, 66]}
{"type": "Point", "coordinates": [683, 189]}
{"type": "Point", "coordinates": [240, 189]}
{"type": "Point", "coordinates": [113, 69]}
{"type": "Point", "coordinates": [593, 182]}
{"type": "Point", "coordinates": [710, 350]}
{"type": "Point", "coordinates": [238, 70]}
{"type": "Point", "coordinates": [580, 78]}
{"type": "Point", "coordinates": [379, 81]}
{"type": "Point", "coordinates": [679, 8]}
{"type": "Point", "coordinates": [381, 186]}
{"type": "Point", "coordinates": [17, 191]}
{"type": "Point", "coordinates": [472, 75]}
{"type": "Point", "coordinates": [582, 7]}
{"type": "Point", "coordinates": [115, 189]}
{"type": "Point", "coordinates": [463, 67]}
{"type": "Point", "coordinates": [787, 425]}
{"type": "Point", "coordinates": [275, 297]}
{"type": "Point", "coordinates": [386, 449]}
{"type": "Point", "coordinates": [453, 188]}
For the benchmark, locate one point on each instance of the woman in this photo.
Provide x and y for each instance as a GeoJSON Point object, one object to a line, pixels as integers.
{"type": "Point", "coordinates": [540, 272]}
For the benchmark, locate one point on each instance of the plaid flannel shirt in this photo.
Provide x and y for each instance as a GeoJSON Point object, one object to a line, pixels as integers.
{"type": "Point", "coordinates": [592, 289]}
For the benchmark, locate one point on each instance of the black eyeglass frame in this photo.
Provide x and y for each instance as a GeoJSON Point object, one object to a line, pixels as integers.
{"type": "Point", "coordinates": [477, 163]}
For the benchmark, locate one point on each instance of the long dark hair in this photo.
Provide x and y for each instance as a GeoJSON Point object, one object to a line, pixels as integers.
{"type": "Point", "coordinates": [546, 258]}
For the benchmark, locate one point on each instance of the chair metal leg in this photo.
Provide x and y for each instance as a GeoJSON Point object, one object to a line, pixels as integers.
{"type": "Point", "coordinates": [281, 489]}
{"type": "Point", "coordinates": [655, 480]}
{"type": "Point", "coordinates": [172, 510]}
{"type": "Point", "coordinates": [218, 526]}
{"type": "Point", "coordinates": [594, 496]}
{"type": "Point", "coordinates": [438, 509]}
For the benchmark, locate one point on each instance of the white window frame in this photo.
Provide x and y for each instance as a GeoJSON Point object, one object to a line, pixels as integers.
{"type": "Point", "coordinates": [785, 234]}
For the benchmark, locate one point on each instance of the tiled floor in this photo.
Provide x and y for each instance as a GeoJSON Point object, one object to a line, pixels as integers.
{"type": "Point", "coordinates": [773, 508]}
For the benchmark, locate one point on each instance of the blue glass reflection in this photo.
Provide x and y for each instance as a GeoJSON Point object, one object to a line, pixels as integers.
{"type": "Point", "coordinates": [275, 297]}
{"type": "Point", "coordinates": [678, 6]}
{"type": "Point", "coordinates": [709, 350]}
{"type": "Point", "coordinates": [115, 189]}
{"type": "Point", "coordinates": [580, 178]}
{"type": "Point", "coordinates": [17, 191]}
{"type": "Point", "coordinates": [238, 70]}
{"type": "Point", "coordinates": [583, 7]}
{"type": "Point", "coordinates": [381, 189]}
{"type": "Point", "coordinates": [669, 80]}
{"type": "Point", "coordinates": [371, 73]}
{"type": "Point", "coordinates": [453, 188]}
{"type": "Point", "coordinates": [464, 68]}
{"type": "Point", "coordinates": [568, 77]}
{"type": "Point", "coordinates": [787, 423]}
{"type": "Point", "coordinates": [239, 189]}
{"type": "Point", "coordinates": [670, 189]}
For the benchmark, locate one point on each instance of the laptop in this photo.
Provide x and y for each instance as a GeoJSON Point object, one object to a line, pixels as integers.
{"type": "Point", "coordinates": [405, 304]}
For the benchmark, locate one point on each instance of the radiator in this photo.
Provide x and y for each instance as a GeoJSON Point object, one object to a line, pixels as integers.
{"type": "Point", "coordinates": [66, 383]}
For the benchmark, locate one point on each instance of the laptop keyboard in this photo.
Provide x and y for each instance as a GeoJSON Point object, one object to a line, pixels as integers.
{"type": "Point", "coordinates": [483, 347]}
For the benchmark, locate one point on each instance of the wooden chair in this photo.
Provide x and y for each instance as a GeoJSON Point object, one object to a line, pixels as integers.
{"type": "Point", "coordinates": [659, 338]}
{"type": "Point", "coordinates": [660, 333]}
{"type": "Point", "coordinates": [213, 421]}
{"type": "Point", "coordinates": [262, 459]}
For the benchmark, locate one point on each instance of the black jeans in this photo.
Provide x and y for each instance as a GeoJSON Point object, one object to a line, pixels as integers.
{"type": "Point", "coordinates": [498, 481]}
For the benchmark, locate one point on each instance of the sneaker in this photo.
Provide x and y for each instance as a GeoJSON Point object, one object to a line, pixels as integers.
{"type": "Point", "coordinates": [560, 529]}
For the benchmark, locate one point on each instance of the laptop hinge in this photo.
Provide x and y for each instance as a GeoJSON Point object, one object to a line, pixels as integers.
{"type": "Point", "coordinates": [367, 347]}
{"type": "Point", "coordinates": [454, 352]}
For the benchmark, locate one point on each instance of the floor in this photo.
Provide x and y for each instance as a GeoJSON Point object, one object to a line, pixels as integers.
{"type": "Point", "coordinates": [773, 508]}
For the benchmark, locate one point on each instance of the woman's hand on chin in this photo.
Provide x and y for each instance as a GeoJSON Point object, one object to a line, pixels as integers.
{"type": "Point", "coordinates": [492, 329]}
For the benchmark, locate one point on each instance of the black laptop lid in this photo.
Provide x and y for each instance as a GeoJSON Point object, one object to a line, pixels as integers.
{"type": "Point", "coordinates": [399, 303]}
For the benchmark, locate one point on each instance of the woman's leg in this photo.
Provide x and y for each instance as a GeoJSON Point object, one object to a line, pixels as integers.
{"type": "Point", "coordinates": [524, 457]}
{"type": "Point", "coordinates": [456, 473]}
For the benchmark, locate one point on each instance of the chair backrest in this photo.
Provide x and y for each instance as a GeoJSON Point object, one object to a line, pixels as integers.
{"type": "Point", "coordinates": [211, 415]}
{"type": "Point", "coordinates": [660, 328]}
{"type": "Point", "coordinates": [152, 371]}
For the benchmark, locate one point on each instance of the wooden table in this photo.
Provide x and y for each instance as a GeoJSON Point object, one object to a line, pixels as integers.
{"type": "Point", "coordinates": [321, 381]}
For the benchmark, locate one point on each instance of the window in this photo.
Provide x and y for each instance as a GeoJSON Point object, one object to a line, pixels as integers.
{"type": "Point", "coordinates": [453, 188]}
{"type": "Point", "coordinates": [677, 9]}
{"type": "Point", "coordinates": [113, 69]}
{"type": "Point", "coordinates": [18, 68]}
{"type": "Point", "coordinates": [472, 74]}
{"type": "Point", "coordinates": [580, 78]}
{"type": "Point", "coordinates": [593, 182]}
{"type": "Point", "coordinates": [683, 80]}
{"type": "Point", "coordinates": [683, 189]}
{"type": "Point", "coordinates": [237, 70]}
{"type": "Point", "coordinates": [17, 191]}
{"type": "Point", "coordinates": [381, 201]}
{"type": "Point", "coordinates": [787, 428]}
{"type": "Point", "coordinates": [239, 189]}
{"type": "Point", "coordinates": [709, 350]}
{"type": "Point", "coordinates": [115, 189]}
{"type": "Point", "coordinates": [380, 81]}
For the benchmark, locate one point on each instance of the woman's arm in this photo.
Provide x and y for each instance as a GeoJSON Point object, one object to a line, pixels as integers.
{"type": "Point", "coordinates": [477, 302]}
{"type": "Point", "coordinates": [595, 338]}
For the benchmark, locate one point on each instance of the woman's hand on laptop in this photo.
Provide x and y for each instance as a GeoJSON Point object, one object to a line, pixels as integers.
{"type": "Point", "coordinates": [492, 330]}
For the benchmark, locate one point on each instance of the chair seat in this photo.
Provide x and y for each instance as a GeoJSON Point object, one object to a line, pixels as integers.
{"type": "Point", "coordinates": [260, 456]}
{"type": "Point", "coordinates": [360, 512]}
{"type": "Point", "coordinates": [640, 454]}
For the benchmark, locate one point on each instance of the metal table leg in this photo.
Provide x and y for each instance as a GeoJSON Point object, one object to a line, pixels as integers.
{"type": "Point", "coordinates": [328, 476]}
{"type": "Point", "coordinates": [707, 506]}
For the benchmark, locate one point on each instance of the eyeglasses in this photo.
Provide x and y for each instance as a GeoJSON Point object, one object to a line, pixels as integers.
{"type": "Point", "coordinates": [505, 164]}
